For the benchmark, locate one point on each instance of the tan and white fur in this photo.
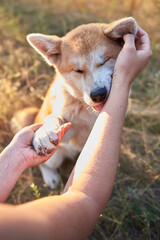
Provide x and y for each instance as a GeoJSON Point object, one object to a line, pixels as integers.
{"type": "Point", "coordinates": [84, 61]}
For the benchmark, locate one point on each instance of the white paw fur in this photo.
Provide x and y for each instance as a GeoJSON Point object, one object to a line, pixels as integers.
{"type": "Point", "coordinates": [50, 176]}
{"type": "Point", "coordinates": [45, 139]}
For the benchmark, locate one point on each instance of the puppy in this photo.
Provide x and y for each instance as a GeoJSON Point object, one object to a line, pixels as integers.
{"type": "Point", "coordinates": [84, 61]}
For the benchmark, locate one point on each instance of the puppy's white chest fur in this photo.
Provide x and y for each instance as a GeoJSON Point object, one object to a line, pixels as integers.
{"type": "Point", "coordinates": [82, 119]}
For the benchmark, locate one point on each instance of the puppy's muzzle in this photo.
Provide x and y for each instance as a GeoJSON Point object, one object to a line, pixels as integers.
{"type": "Point", "coordinates": [99, 95]}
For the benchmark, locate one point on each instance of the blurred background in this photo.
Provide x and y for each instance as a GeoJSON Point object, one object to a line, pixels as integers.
{"type": "Point", "coordinates": [133, 211]}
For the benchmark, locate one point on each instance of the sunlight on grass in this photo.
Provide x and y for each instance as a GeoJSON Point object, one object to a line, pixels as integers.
{"type": "Point", "coordinates": [35, 190]}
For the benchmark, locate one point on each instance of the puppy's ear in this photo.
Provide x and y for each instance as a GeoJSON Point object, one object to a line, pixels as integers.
{"type": "Point", "coordinates": [47, 46]}
{"type": "Point", "coordinates": [121, 27]}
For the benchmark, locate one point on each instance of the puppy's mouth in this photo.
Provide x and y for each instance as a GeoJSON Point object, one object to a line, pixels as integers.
{"type": "Point", "coordinates": [99, 107]}
{"type": "Point", "coordinates": [100, 96]}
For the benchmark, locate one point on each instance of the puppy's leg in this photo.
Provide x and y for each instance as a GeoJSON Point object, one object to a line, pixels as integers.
{"type": "Point", "coordinates": [49, 168]}
{"type": "Point", "coordinates": [50, 176]}
{"type": "Point", "coordinates": [44, 141]}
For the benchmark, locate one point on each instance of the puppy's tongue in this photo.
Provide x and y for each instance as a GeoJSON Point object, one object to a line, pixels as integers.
{"type": "Point", "coordinates": [99, 107]}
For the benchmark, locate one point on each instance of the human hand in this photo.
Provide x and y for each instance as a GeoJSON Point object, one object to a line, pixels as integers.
{"type": "Point", "coordinates": [133, 57]}
{"type": "Point", "coordinates": [22, 145]}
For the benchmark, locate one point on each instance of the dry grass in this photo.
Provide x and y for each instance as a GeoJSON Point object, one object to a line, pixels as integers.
{"type": "Point", "coordinates": [134, 208]}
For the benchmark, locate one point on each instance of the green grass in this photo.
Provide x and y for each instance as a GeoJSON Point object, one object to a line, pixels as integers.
{"type": "Point", "coordinates": [133, 211]}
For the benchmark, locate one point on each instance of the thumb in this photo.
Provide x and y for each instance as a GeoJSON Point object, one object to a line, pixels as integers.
{"type": "Point", "coordinates": [129, 40]}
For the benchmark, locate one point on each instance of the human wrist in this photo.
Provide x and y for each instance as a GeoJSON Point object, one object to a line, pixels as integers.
{"type": "Point", "coordinates": [14, 159]}
{"type": "Point", "coordinates": [11, 167]}
{"type": "Point", "coordinates": [118, 98]}
{"type": "Point", "coordinates": [121, 83]}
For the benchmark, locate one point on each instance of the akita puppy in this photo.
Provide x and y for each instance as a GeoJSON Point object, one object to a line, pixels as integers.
{"type": "Point", "coordinates": [84, 61]}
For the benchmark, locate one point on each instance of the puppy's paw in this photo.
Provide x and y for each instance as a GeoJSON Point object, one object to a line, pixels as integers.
{"type": "Point", "coordinates": [45, 139]}
{"type": "Point", "coordinates": [50, 176]}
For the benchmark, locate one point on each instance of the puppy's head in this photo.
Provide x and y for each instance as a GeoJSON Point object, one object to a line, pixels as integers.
{"type": "Point", "coordinates": [85, 57]}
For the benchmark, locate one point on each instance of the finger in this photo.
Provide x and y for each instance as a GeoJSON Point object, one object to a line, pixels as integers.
{"type": "Point", "coordinates": [140, 32]}
{"type": "Point", "coordinates": [35, 127]}
{"type": "Point", "coordinates": [137, 42]}
{"type": "Point", "coordinates": [143, 35]}
{"type": "Point", "coordinates": [144, 39]}
{"type": "Point", "coordinates": [66, 127]}
{"type": "Point", "coordinates": [129, 40]}
{"type": "Point", "coordinates": [63, 129]}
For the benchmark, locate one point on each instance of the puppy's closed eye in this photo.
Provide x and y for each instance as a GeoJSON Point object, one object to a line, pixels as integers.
{"type": "Point", "coordinates": [106, 60]}
{"type": "Point", "coordinates": [79, 71]}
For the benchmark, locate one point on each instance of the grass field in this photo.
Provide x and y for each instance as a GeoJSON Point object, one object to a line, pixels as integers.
{"type": "Point", "coordinates": [133, 211]}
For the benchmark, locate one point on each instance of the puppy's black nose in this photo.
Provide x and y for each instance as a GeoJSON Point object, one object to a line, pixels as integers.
{"type": "Point", "coordinates": [99, 95]}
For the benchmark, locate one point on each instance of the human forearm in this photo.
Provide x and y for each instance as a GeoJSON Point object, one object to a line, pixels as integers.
{"type": "Point", "coordinates": [58, 217]}
{"type": "Point", "coordinates": [96, 167]}
{"type": "Point", "coordinates": [11, 167]}
{"type": "Point", "coordinates": [100, 163]}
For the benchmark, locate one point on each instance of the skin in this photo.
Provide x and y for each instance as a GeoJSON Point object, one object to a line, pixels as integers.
{"type": "Point", "coordinates": [19, 155]}
{"type": "Point", "coordinates": [74, 214]}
